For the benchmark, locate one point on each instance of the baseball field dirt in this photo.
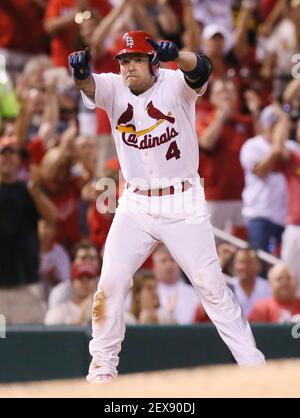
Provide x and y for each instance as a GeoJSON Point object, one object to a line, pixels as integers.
{"type": "Point", "coordinates": [278, 379]}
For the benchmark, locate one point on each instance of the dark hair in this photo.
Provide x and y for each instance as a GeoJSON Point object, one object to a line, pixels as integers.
{"type": "Point", "coordinates": [139, 280]}
{"type": "Point", "coordinates": [249, 250]}
{"type": "Point", "coordinates": [84, 245]}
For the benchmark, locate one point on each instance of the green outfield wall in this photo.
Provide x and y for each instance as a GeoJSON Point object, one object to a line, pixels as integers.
{"type": "Point", "coordinates": [41, 353]}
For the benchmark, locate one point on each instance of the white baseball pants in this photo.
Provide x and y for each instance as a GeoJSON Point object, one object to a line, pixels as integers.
{"type": "Point", "coordinates": [182, 223]}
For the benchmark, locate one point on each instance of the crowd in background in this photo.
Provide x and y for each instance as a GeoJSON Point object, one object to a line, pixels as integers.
{"type": "Point", "coordinates": [53, 150]}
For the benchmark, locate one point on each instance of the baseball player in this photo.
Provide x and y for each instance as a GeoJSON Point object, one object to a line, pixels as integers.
{"type": "Point", "coordinates": [152, 114]}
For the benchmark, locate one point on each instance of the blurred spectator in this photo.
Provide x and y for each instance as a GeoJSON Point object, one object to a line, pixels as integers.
{"type": "Point", "coordinates": [221, 134]}
{"type": "Point", "coordinates": [190, 28]}
{"type": "Point", "coordinates": [157, 17]}
{"type": "Point", "coordinates": [64, 187]}
{"type": "Point", "coordinates": [247, 286]}
{"type": "Point", "coordinates": [84, 253]}
{"type": "Point", "coordinates": [62, 20]}
{"type": "Point", "coordinates": [219, 11]}
{"type": "Point", "coordinates": [100, 218]}
{"type": "Point", "coordinates": [266, 8]}
{"type": "Point", "coordinates": [55, 262]}
{"type": "Point", "coordinates": [200, 315]}
{"type": "Point", "coordinates": [226, 254]}
{"type": "Point", "coordinates": [145, 305]}
{"type": "Point", "coordinates": [175, 295]}
{"type": "Point", "coordinates": [264, 195]}
{"type": "Point", "coordinates": [21, 32]}
{"type": "Point", "coordinates": [9, 106]}
{"type": "Point", "coordinates": [86, 153]}
{"type": "Point", "coordinates": [231, 53]}
{"type": "Point", "coordinates": [21, 205]}
{"type": "Point", "coordinates": [34, 99]}
{"type": "Point", "coordinates": [225, 43]}
{"type": "Point", "coordinates": [213, 44]}
{"type": "Point", "coordinates": [283, 306]}
{"type": "Point", "coordinates": [87, 168]}
{"type": "Point", "coordinates": [77, 310]}
{"type": "Point", "coordinates": [39, 125]}
{"type": "Point", "coordinates": [290, 166]}
{"type": "Point", "coordinates": [281, 44]}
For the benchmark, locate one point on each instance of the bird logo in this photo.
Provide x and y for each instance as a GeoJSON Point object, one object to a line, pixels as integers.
{"type": "Point", "coordinates": [155, 113]}
{"type": "Point", "coordinates": [124, 125]}
{"type": "Point", "coordinates": [126, 116]}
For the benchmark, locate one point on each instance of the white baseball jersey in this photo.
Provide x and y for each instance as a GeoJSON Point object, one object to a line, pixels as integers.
{"type": "Point", "coordinates": [154, 132]}
{"type": "Point", "coordinates": [156, 140]}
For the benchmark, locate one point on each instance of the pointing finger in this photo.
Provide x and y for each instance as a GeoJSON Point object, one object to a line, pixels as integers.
{"type": "Point", "coordinates": [153, 43]}
{"type": "Point", "coordinates": [87, 54]}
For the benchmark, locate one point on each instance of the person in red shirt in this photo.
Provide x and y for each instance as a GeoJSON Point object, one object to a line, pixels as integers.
{"type": "Point", "coordinates": [99, 220]}
{"type": "Point", "coordinates": [21, 32]}
{"type": "Point", "coordinates": [62, 20]}
{"type": "Point", "coordinates": [221, 133]}
{"type": "Point", "coordinates": [284, 306]}
{"type": "Point", "coordinates": [63, 190]}
{"type": "Point", "coordinates": [63, 186]}
{"type": "Point", "coordinates": [200, 316]}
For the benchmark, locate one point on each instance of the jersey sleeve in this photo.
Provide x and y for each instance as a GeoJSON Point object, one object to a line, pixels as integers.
{"type": "Point", "coordinates": [106, 88]}
{"type": "Point", "coordinates": [183, 89]}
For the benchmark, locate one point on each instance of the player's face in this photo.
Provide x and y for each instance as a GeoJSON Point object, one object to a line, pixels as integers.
{"type": "Point", "coordinates": [136, 72]}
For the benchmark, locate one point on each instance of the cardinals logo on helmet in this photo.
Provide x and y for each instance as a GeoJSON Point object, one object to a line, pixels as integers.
{"type": "Point", "coordinates": [129, 41]}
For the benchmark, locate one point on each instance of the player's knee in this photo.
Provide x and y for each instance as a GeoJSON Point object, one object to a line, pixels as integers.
{"type": "Point", "coordinates": [115, 284]}
{"type": "Point", "coordinates": [99, 307]}
{"type": "Point", "coordinates": [211, 284]}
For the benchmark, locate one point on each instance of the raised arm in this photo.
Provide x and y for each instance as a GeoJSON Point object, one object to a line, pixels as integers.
{"type": "Point", "coordinates": [210, 136]}
{"type": "Point", "coordinates": [196, 67]}
{"type": "Point", "coordinates": [43, 204]}
{"type": "Point", "coordinates": [104, 27]}
{"type": "Point", "coordinates": [192, 29]}
{"type": "Point", "coordinates": [240, 33]}
{"type": "Point", "coordinates": [292, 90]}
{"type": "Point", "coordinates": [279, 135]}
{"type": "Point", "coordinates": [167, 17]}
{"type": "Point", "coordinates": [79, 61]}
{"type": "Point", "coordinates": [143, 18]}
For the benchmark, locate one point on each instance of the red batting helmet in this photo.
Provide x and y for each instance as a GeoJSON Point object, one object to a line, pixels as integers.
{"type": "Point", "coordinates": [135, 42]}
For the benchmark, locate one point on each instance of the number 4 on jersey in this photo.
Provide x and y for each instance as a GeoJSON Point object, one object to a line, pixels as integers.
{"type": "Point", "coordinates": [173, 151]}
